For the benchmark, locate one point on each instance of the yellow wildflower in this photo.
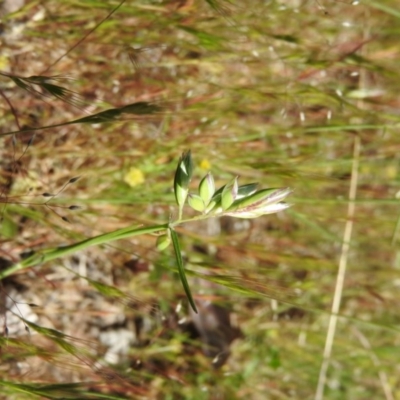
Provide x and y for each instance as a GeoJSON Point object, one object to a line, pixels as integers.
{"type": "Point", "coordinates": [134, 177]}
{"type": "Point", "coordinates": [205, 164]}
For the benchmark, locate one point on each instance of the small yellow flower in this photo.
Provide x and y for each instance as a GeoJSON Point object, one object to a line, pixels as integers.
{"type": "Point", "coordinates": [205, 164]}
{"type": "Point", "coordinates": [134, 177]}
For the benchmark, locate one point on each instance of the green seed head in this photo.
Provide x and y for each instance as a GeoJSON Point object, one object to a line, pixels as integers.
{"type": "Point", "coordinates": [196, 202]}
{"type": "Point", "coordinates": [207, 188]}
{"type": "Point", "coordinates": [266, 201]}
{"type": "Point", "coordinates": [229, 194]}
{"type": "Point", "coordinates": [183, 175]}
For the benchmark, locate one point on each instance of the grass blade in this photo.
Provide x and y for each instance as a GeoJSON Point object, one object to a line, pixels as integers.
{"type": "Point", "coordinates": [181, 268]}
{"type": "Point", "coordinates": [110, 115]}
{"type": "Point", "coordinates": [51, 254]}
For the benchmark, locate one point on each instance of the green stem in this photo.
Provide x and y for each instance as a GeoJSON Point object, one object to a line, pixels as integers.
{"type": "Point", "coordinates": [201, 217]}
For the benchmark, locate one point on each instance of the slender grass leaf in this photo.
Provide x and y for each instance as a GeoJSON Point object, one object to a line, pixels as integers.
{"type": "Point", "coordinates": [19, 82]}
{"type": "Point", "coordinates": [53, 253]}
{"type": "Point", "coordinates": [106, 290]}
{"type": "Point", "coordinates": [139, 108]}
{"type": "Point", "coordinates": [103, 116]}
{"type": "Point", "coordinates": [181, 269]}
{"type": "Point", "coordinates": [48, 332]}
{"type": "Point", "coordinates": [113, 114]}
{"type": "Point", "coordinates": [68, 347]}
{"type": "Point", "coordinates": [380, 5]}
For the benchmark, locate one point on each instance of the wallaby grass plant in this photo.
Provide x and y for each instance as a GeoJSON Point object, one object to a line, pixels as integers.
{"type": "Point", "coordinates": [231, 200]}
{"type": "Point", "coordinates": [287, 94]}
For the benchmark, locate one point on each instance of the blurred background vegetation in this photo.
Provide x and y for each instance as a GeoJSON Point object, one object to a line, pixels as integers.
{"type": "Point", "coordinates": [294, 93]}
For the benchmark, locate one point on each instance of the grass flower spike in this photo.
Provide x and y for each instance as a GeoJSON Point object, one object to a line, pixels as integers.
{"type": "Point", "coordinates": [266, 201]}
{"type": "Point", "coordinates": [207, 188]}
{"type": "Point", "coordinates": [196, 202]}
{"type": "Point", "coordinates": [229, 194]}
{"type": "Point", "coordinates": [183, 176]}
